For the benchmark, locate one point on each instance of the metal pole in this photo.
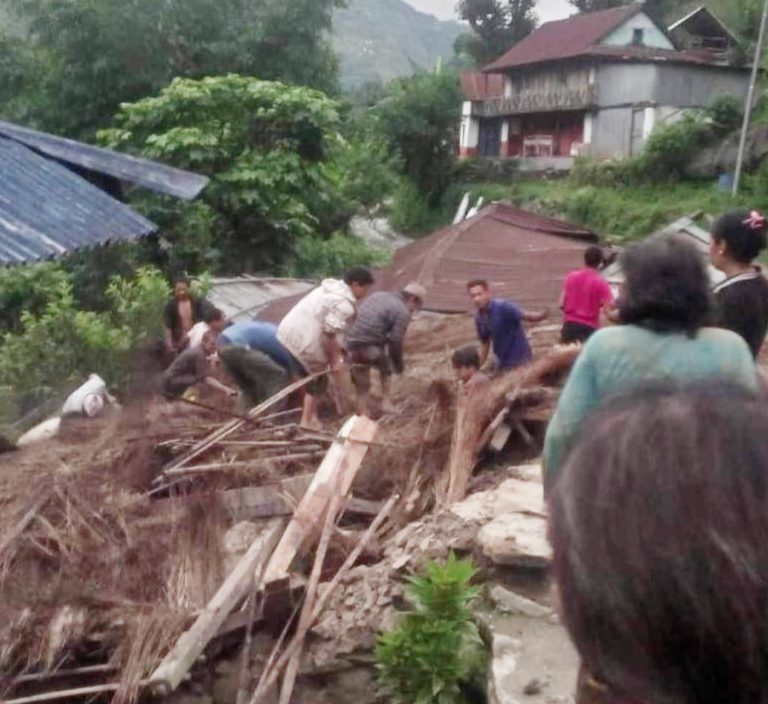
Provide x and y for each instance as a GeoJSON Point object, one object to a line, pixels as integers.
{"type": "Point", "coordinates": [750, 97]}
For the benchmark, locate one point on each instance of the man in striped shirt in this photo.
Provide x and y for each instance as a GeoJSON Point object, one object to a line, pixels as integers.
{"type": "Point", "coordinates": [375, 339]}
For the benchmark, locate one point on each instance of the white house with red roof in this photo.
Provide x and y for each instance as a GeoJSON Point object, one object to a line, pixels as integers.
{"type": "Point", "coordinates": [593, 84]}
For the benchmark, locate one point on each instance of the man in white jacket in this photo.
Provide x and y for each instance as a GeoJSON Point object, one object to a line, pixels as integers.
{"type": "Point", "coordinates": [311, 330]}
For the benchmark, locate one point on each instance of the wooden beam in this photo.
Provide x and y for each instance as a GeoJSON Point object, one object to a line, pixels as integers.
{"type": "Point", "coordinates": [279, 499]}
{"type": "Point", "coordinates": [25, 521]}
{"type": "Point", "coordinates": [234, 425]}
{"type": "Point", "coordinates": [336, 473]}
{"type": "Point", "coordinates": [271, 673]}
{"type": "Point", "coordinates": [192, 642]}
{"type": "Point", "coordinates": [78, 693]}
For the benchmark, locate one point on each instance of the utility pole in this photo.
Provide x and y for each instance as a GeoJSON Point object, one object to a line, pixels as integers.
{"type": "Point", "coordinates": [750, 98]}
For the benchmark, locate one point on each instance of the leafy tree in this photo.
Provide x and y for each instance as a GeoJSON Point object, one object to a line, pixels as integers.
{"type": "Point", "coordinates": [496, 25]}
{"type": "Point", "coordinates": [419, 116]}
{"type": "Point", "coordinates": [656, 8]}
{"type": "Point", "coordinates": [317, 258]}
{"type": "Point", "coordinates": [266, 148]}
{"type": "Point", "coordinates": [81, 59]}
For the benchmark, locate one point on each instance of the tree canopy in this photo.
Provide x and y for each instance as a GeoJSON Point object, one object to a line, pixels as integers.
{"type": "Point", "coordinates": [496, 26]}
{"type": "Point", "coordinates": [71, 63]}
{"type": "Point", "coordinates": [265, 146]}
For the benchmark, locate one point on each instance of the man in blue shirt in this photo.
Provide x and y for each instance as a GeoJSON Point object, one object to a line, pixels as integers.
{"type": "Point", "coordinates": [500, 323]}
{"type": "Point", "coordinates": [257, 362]}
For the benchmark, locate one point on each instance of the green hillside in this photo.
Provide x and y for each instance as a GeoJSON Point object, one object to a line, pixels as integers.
{"type": "Point", "coordinates": [378, 40]}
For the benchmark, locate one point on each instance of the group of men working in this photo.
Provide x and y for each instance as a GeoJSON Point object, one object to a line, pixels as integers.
{"type": "Point", "coordinates": [339, 325]}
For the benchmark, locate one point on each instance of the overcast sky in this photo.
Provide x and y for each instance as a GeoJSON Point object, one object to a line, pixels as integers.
{"type": "Point", "coordinates": [446, 9]}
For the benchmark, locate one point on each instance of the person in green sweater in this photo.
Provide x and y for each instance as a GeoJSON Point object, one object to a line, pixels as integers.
{"type": "Point", "coordinates": [664, 305]}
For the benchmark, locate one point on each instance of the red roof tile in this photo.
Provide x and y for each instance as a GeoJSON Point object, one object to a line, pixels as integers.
{"type": "Point", "coordinates": [564, 38]}
{"type": "Point", "coordinates": [479, 86]}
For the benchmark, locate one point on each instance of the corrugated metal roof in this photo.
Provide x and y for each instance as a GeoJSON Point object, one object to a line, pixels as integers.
{"type": "Point", "coordinates": [47, 210]}
{"type": "Point", "coordinates": [524, 256]}
{"type": "Point", "coordinates": [140, 172]}
{"type": "Point", "coordinates": [685, 228]}
{"type": "Point", "coordinates": [245, 297]}
{"type": "Point", "coordinates": [564, 38]}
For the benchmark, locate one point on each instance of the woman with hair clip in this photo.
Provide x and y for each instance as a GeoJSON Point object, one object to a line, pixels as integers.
{"type": "Point", "coordinates": [741, 301]}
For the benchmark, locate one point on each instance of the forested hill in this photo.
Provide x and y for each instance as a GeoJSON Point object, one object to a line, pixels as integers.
{"type": "Point", "coordinates": [378, 40]}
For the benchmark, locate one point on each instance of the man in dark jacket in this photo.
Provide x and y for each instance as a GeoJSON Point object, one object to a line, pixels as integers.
{"type": "Point", "coordinates": [181, 313]}
{"type": "Point", "coordinates": [375, 339]}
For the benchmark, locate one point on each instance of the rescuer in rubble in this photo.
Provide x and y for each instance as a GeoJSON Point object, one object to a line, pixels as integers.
{"type": "Point", "coordinates": [375, 340]}
{"type": "Point", "coordinates": [500, 328]}
{"type": "Point", "coordinates": [182, 311]}
{"type": "Point", "coordinates": [312, 330]}
{"type": "Point", "coordinates": [192, 367]}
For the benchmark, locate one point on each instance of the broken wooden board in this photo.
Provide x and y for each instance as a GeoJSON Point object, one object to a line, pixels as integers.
{"type": "Point", "coordinates": [335, 474]}
{"type": "Point", "coordinates": [192, 642]}
{"type": "Point", "coordinates": [279, 499]}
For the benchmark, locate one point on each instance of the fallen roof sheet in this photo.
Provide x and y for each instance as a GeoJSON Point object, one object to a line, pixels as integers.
{"type": "Point", "coordinates": [245, 297]}
{"type": "Point", "coordinates": [685, 228]}
{"type": "Point", "coordinates": [140, 172]}
{"type": "Point", "coordinates": [524, 257]}
{"type": "Point", "coordinates": [47, 210]}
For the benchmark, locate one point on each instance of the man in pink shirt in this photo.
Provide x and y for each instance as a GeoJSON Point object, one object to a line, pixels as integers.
{"type": "Point", "coordinates": [585, 295]}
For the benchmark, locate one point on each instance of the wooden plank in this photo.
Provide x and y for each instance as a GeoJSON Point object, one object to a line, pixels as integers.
{"type": "Point", "coordinates": [278, 499]}
{"type": "Point", "coordinates": [270, 675]}
{"type": "Point", "coordinates": [234, 425]}
{"type": "Point", "coordinates": [192, 642]}
{"type": "Point", "coordinates": [292, 667]}
{"type": "Point", "coordinates": [338, 469]}
{"type": "Point", "coordinates": [77, 693]}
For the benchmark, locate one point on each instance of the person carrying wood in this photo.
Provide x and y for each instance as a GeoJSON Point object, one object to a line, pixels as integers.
{"type": "Point", "coordinates": [500, 328]}
{"type": "Point", "coordinates": [375, 340]}
{"type": "Point", "coordinates": [311, 330]}
{"type": "Point", "coordinates": [585, 295]}
{"type": "Point", "coordinates": [192, 367]}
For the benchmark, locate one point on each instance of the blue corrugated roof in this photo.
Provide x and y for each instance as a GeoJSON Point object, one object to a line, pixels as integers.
{"type": "Point", "coordinates": [140, 172]}
{"type": "Point", "coordinates": [47, 210]}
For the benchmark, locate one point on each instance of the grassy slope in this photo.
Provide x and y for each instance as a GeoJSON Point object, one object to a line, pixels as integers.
{"type": "Point", "coordinates": [616, 214]}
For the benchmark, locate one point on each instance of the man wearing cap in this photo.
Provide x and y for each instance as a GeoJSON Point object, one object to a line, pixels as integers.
{"type": "Point", "coordinates": [375, 339]}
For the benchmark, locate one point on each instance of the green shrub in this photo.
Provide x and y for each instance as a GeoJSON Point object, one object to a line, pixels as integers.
{"type": "Point", "coordinates": [607, 172]}
{"type": "Point", "coordinates": [411, 214]}
{"type": "Point", "coordinates": [670, 148]}
{"type": "Point", "coordinates": [726, 112]}
{"type": "Point", "coordinates": [58, 345]}
{"type": "Point", "coordinates": [27, 288]}
{"type": "Point", "coordinates": [435, 650]}
{"type": "Point", "coordinates": [316, 258]}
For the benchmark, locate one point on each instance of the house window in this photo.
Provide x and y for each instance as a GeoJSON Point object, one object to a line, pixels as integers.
{"type": "Point", "coordinates": [637, 37]}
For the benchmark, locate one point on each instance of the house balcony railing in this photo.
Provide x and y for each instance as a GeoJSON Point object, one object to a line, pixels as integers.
{"type": "Point", "coordinates": [561, 99]}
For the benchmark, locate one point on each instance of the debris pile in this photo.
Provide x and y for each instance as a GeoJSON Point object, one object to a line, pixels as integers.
{"type": "Point", "coordinates": [129, 553]}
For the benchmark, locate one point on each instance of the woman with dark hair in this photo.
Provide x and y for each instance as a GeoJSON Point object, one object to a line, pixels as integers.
{"type": "Point", "coordinates": [742, 299]}
{"type": "Point", "coordinates": [664, 305]}
{"type": "Point", "coordinates": [659, 527]}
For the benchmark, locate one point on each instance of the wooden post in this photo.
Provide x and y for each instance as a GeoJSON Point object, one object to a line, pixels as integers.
{"type": "Point", "coordinates": [336, 473]}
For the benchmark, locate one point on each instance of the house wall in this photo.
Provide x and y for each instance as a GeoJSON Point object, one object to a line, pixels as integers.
{"type": "Point", "coordinates": [546, 79]}
{"type": "Point", "coordinates": [697, 86]}
{"type": "Point", "coordinates": [652, 35]}
{"type": "Point", "coordinates": [611, 132]}
{"type": "Point", "coordinates": [625, 83]}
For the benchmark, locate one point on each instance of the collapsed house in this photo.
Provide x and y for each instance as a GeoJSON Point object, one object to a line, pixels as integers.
{"type": "Point", "coordinates": [148, 553]}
